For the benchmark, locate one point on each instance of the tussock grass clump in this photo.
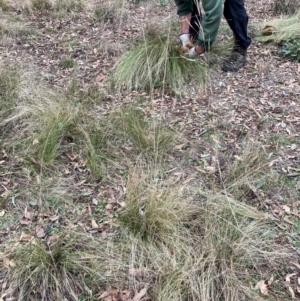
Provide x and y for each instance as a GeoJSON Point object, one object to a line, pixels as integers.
{"type": "Point", "coordinates": [69, 5]}
{"type": "Point", "coordinates": [157, 62]}
{"type": "Point", "coordinates": [49, 118]}
{"type": "Point", "coordinates": [67, 63]}
{"type": "Point", "coordinates": [56, 5]}
{"type": "Point", "coordinates": [64, 267]}
{"type": "Point", "coordinates": [233, 240]}
{"type": "Point", "coordinates": [110, 11]}
{"type": "Point", "coordinates": [279, 30]}
{"type": "Point", "coordinates": [215, 249]}
{"type": "Point", "coordinates": [4, 5]}
{"type": "Point", "coordinates": [14, 29]}
{"type": "Point", "coordinates": [10, 84]}
{"type": "Point", "coordinates": [250, 174]}
{"type": "Point", "coordinates": [96, 149]}
{"type": "Point", "coordinates": [153, 213]}
{"type": "Point", "coordinates": [56, 120]}
{"type": "Point", "coordinates": [38, 5]}
{"type": "Point", "coordinates": [286, 7]}
{"type": "Point", "coordinates": [152, 138]}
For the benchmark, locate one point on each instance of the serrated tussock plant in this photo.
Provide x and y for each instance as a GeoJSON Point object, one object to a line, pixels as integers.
{"type": "Point", "coordinates": [64, 266]}
{"type": "Point", "coordinates": [9, 28]}
{"type": "Point", "coordinates": [110, 11]}
{"type": "Point", "coordinates": [69, 5]}
{"type": "Point", "coordinates": [286, 7]}
{"type": "Point", "coordinates": [38, 5]}
{"type": "Point", "coordinates": [10, 84]}
{"type": "Point", "coordinates": [55, 5]}
{"type": "Point", "coordinates": [280, 30]}
{"type": "Point", "coordinates": [96, 149]}
{"type": "Point", "coordinates": [196, 250]}
{"type": "Point", "coordinates": [153, 139]}
{"type": "Point", "coordinates": [56, 121]}
{"type": "Point", "coordinates": [48, 118]}
{"type": "Point", "coordinates": [152, 212]}
{"type": "Point", "coordinates": [158, 62]}
{"type": "Point", "coordinates": [250, 173]}
{"type": "Point", "coordinates": [4, 5]}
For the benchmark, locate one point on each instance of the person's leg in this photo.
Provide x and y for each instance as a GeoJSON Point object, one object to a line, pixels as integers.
{"type": "Point", "coordinates": [237, 19]}
{"type": "Point", "coordinates": [195, 20]}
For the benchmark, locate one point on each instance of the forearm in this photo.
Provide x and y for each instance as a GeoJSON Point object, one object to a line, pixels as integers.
{"type": "Point", "coordinates": [210, 23]}
{"type": "Point", "coordinates": [185, 22]}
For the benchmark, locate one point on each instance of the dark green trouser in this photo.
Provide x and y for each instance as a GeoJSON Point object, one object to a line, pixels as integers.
{"type": "Point", "coordinates": [211, 21]}
{"type": "Point", "coordinates": [196, 20]}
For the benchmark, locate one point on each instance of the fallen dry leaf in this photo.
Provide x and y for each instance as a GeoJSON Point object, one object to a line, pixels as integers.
{"type": "Point", "coordinates": [40, 232]}
{"type": "Point", "coordinates": [8, 262]}
{"type": "Point", "coordinates": [25, 222]}
{"type": "Point", "coordinates": [54, 218]}
{"type": "Point", "coordinates": [2, 297]}
{"type": "Point", "coordinates": [261, 285]}
{"type": "Point", "coordinates": [286, 208]}
{"type": "Point", "coordinates": [288, 220]}
{"type": "Point", "coordinates": [288, 277]}
{"type": "Point", "coordinates": [25, 237]}
{"type": "Point", "coordinates": [271, 280]}
{"type": "Point", "coordinates": [5, 194]}
{"type": "Point", "coordinates": [104, 295]}
{"type": "Point", "coordinates": [292, 292]}
{"type": "Point", "coordinates": [297, 265]}
{"type": "Point", "coordinates": [28, 214]}
{"type": "Point", "coordinates": [141, 294]}
{"type": "Point", "coordinates": [94, 224]}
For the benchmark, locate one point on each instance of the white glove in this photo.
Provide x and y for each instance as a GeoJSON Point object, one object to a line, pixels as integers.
{"type": "Point", "coordinates": [185, 40]}
{"type": "Point", "coordinates": [192, 52]}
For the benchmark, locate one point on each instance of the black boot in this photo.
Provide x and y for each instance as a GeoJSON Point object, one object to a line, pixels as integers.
{"type": "Point", "coordinates": [237, 59]}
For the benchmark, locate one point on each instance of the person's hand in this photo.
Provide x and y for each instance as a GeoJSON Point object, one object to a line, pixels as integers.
{"type": "Point", "coordinates": [186, 41]}
{"type": "Point", "coordinates": [197, 50]}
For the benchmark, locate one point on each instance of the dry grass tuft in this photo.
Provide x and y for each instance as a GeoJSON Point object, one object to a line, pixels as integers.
{"type": "Point", "coordinates": [280, 30]}
{"type": "Point", "coordinates": [234, 239]}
